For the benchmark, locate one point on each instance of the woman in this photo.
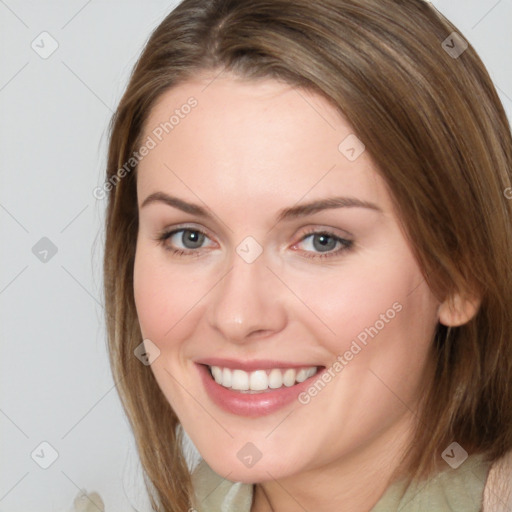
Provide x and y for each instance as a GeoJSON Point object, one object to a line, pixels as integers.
{"type": "Point", "coordinates": [308, 260]}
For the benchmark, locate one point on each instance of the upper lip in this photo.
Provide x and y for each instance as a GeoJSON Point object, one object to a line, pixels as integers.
{"type": "Point", "coordinates": [255, 364]}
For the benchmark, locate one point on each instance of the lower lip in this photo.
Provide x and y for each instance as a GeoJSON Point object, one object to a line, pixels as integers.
{"type": "Point", "coordinates": [252, 404]}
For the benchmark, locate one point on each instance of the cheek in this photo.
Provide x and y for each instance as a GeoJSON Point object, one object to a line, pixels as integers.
{"type": "Point", "coordinates": [168, 299]}
{"type": "Point", "coordinates": [390, 302]}
{"type": "Point", "coordinates": [164, 300]}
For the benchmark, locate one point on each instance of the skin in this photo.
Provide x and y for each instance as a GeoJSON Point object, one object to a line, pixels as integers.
{"type": "Point", "coordinates": [248, 150]}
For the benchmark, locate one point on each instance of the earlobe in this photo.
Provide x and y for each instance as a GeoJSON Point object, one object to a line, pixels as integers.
{"type": "Point", "coordinates": [458, 310]}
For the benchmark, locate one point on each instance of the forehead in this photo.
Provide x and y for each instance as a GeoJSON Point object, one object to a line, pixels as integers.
{"type": "Point", "coordinates": [260, 136]}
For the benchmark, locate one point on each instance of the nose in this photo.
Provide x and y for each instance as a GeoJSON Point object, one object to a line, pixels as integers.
{"type": "Point", "coordinates": [248, 302]}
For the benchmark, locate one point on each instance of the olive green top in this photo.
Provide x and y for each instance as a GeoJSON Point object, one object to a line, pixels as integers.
{"type": "Point", "coordinates": [451, 490]}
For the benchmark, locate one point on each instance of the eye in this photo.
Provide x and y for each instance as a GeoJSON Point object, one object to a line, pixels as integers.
{"type": "Point", "coordinates": [187, 241]}
{"type": "Point", "coordinates": [183, 241]}
{"type": "Point", "coordinates": [324, 243]}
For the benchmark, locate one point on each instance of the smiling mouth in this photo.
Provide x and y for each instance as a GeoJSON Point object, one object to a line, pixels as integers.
{"type": "Point", "coordinates": [260, 381]}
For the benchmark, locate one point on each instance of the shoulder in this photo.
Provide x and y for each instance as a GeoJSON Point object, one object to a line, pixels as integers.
{"type": "Point", "coordinates": [498, 488]}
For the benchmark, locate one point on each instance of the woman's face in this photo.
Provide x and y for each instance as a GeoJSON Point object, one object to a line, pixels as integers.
{"type": "Point", "coordinates": [286, 258]}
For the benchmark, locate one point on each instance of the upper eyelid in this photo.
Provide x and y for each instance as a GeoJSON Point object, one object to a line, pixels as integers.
{"type": "Point", "coordinates": [189, 227]}
{"type": "Point", "coordinates": [308, 230]}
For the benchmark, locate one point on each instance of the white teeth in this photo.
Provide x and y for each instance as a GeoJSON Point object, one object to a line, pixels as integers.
{"type": "Point", "coordinates": [289, 377]}
{"type": "Point", "coordinates": [260, 380]}
{"type": "Point", "coordinates": [226, 377]}
{"type": "Point", "coordinates": [302, 375]}
{"type": "Point", "coordinates": [217, 374]}
{"type": "Point", "coordinates": [275, 379]}
{"type": "Point", "coordinates": [240, 380]}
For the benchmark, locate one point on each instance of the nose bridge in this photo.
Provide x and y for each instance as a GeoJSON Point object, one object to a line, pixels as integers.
{"type": "Point", "coordinates": [246, 300]}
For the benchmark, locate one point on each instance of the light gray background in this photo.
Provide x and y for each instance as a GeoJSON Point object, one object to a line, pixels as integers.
{"type": "Point", "coordinates": [55, 383]}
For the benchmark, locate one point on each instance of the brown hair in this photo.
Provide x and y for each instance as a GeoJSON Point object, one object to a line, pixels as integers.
{"type": "Point", "coordinates": [437, 132]}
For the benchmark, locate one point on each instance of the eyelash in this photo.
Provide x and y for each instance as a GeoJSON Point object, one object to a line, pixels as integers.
{"type": "Point", "coordinates": [346, 244]}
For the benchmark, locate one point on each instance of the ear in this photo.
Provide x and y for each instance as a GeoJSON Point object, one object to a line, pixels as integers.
{"type": "Point", "coordinates": [458, 310]}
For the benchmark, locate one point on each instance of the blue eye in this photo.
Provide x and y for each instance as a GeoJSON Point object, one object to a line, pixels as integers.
{"type": "Point", "coordinates": [325, 243]}
{"type": "Point", "coordinates": [319, 244]}
{"type": "Point", "coordinates": [190, 240]}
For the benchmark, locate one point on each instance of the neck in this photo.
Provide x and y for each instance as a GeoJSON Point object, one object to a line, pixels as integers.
{"type": "Point", "coordinates": [356, 481]}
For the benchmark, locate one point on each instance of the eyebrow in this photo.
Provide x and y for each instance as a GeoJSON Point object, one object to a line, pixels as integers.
{"type": "Point", "coordinates": [292, 212]}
